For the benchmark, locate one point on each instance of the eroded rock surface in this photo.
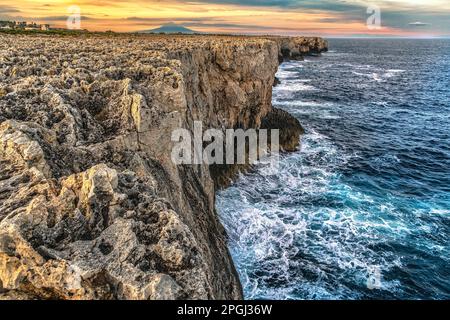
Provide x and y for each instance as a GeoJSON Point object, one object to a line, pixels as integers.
{"type": "Point", "coordinates": [91, 205]}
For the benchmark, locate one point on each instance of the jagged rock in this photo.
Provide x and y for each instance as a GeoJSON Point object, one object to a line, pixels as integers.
{"type": "Point", "coordinates": [276, 82]}
{"type": "Point", "coordinates": [91, 205]}
{"type": "Point", "coordinates": [290, 128]}
{"type": "Point", "coordinates": [298, 47]}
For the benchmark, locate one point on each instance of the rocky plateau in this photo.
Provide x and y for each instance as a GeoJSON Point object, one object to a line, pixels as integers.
{"type": "Point", "coordinates": [91, 205]}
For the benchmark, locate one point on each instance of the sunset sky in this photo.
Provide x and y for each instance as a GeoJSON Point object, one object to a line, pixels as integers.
{"type": "Point", "coordinates": [420, 18]}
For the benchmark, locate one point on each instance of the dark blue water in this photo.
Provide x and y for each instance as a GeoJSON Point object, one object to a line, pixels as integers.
{"type": "Point", "coordinates": [362, 211]}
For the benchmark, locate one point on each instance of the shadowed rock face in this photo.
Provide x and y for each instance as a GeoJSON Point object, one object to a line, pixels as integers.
{"type": "Point", "coordinates": [91, 205]}
{"type": "Point", "coordinates": [290, 128]}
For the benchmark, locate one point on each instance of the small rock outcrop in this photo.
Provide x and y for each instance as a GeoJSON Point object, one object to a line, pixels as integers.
{"type": "Point", "coordinates": [290, 128]}
{"type": "Point", "coordinates": [299, 47]}
{"type": "Point", "coordinates": [91, 205]}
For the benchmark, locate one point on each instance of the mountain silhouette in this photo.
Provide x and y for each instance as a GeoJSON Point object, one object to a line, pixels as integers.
{"type": "Point", "coordinates": [171, 28]}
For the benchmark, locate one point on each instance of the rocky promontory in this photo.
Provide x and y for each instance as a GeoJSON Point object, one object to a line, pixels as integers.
{"type": "Point", "coordinates": [91, 205]}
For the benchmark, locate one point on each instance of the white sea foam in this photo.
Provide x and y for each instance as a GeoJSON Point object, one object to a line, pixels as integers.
{"type": "Point", "coordinates": [377, 75]}
{"type": "Point", "coordinates": [298, 103]}
{"type": "Point", "coordinates": [440, 211]}
{"type": "Point", "coordinates": [392, 73]}
{"type": "Point", "coordinates": [360, 74]}
{"type": "Point", "coordinates": [285, 74]}
{"type": "Point", "coordinates": [373, 75]}
{"type": "Point", "coordinates": [294, 86]}
{"type": "Point", "coordinates": [385, 161]}
{"type": "Point", "coordinates": [396, 70]}
{"type": "Point", "coordinates": [363, 67]}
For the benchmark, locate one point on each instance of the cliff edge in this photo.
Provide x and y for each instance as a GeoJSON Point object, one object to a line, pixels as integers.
{"type": "Point", "coordinates": [91, 205]}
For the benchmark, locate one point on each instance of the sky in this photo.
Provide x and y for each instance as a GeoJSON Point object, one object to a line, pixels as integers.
{"type": "Point", "coordinates": [332, 18]}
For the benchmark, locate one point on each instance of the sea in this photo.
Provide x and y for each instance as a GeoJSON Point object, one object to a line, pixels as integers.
{"type": "Point", "coordinates": [362, 209]}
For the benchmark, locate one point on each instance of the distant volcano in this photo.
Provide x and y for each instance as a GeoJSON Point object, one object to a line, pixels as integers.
{"type": "Point", "coordinates": [171, 28]}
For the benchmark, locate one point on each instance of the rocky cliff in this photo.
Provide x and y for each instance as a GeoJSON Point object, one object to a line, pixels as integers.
{"type": "Point", "coordinates": [91, 205]}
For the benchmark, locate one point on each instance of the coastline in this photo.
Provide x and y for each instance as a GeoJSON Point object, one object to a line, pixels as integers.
{"type": "Point", "coordinates": [91, 205]}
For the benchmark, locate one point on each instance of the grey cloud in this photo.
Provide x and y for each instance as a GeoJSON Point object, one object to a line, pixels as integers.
{"type": "Point", "coordinates": [419, 24]}
{"type": "Point", "coordinates": [156, 20]}
{"type": "Point", "coordinates": [61, 18]}
{"type": "Point", "coordinates": [329, 5]}
{"type": "Point", "coordinates": [8, 9]}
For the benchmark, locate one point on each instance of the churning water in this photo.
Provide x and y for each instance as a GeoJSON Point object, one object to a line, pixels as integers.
{"type": "Point", "coordinates": [362, 211]}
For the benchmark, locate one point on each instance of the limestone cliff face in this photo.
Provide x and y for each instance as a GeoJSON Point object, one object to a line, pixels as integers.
{"type": "Point", "coordinates": [91, 205]}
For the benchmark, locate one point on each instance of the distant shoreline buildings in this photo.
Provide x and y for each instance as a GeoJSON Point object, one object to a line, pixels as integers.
{"type": "Point", "coordinates": [23, 25]}
{"type": "Point", "coordinates": [29, 26]}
